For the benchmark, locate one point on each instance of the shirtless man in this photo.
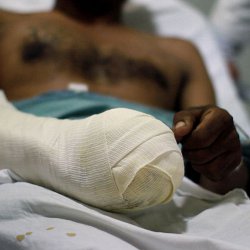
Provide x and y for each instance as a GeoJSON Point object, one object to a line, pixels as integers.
{"type": "Point", "coordinates": [84, 41]}
{"type": "Point", "coordinates": [49, 50]}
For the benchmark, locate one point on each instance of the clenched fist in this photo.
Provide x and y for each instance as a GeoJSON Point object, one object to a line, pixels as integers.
{"type": "Point", "coordinates": [211, 143]}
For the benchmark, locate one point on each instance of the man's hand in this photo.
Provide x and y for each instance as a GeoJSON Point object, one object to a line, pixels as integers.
{"type": "Point", "coordinates": [210, 141]}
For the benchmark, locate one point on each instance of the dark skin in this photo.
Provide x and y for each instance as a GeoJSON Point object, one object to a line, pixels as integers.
{"type": "Point", "coordinates": [211, 143]}
{"type": "Point", "coordinates": [207, 133]}
{"type": "Point", "coordinates": [108, 11]}
{"type": "Point", "coordinates": [49, 50]}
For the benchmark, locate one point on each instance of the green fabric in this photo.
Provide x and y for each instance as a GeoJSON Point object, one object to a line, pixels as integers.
{"type": "Point", "coordinates": [72, 105]}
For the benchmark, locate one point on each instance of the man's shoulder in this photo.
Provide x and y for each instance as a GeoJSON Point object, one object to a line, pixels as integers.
{"type": "Point", "coordinates": [181, 48]}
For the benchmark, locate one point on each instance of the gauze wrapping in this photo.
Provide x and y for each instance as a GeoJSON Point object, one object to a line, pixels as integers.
{"type": "Point", "coordinates": [118, 160]}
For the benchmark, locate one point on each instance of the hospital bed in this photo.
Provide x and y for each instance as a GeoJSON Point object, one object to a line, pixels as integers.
{"type": "Point", "coordinates": [33, 217]}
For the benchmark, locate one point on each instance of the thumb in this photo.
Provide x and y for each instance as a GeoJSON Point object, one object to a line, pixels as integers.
{"type": "Point", "coordinates": [180, 130]}
{"type": "Point", "coordinates": [184, 123]}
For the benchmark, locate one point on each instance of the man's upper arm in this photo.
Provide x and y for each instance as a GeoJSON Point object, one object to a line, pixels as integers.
{"type": "Point", "coordinates": [197, 89]}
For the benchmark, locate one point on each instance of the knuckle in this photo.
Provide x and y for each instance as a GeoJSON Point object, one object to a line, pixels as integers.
{"type": "Point", "coordinates": [202, 139]}
{"type": "Point", "coordinates": [234, 142]}
{"type": "Point", "coordinates": [236, 136]}
{"type": "Point", "coordinates": [225, 117]}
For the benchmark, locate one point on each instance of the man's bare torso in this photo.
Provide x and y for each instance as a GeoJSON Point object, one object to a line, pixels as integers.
{"type": "Point", "coordinates": [43, 52]}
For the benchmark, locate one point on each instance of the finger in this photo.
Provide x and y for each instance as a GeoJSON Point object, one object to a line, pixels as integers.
{"type": "Point", "coordinates": [213, 123]}
{"type": "Point", "coordinates": [184, 123]}
{"type": "Point", "coordinates": [220, 167]}
{"type": "Point", "coordinates": [227, 142]}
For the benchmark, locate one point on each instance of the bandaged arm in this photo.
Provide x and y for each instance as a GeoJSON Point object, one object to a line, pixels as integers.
{"type": "Point", "coordinates": [118, 160]}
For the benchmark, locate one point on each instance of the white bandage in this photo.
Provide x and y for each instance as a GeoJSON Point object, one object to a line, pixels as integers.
{"type": "Point", "coordinates": [118, 160]}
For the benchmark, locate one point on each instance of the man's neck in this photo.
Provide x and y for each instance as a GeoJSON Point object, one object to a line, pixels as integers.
{"type": "Point", "coordinates": [90, 14]}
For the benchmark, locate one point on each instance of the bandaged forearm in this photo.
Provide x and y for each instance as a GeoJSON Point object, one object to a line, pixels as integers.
{"type": "Point", "coordinates": [117, 160]}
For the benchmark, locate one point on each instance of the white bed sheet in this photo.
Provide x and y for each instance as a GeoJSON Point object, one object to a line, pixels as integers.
{"type": "Point", "coordinates": [32, 217]}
